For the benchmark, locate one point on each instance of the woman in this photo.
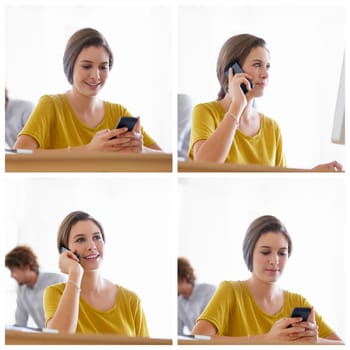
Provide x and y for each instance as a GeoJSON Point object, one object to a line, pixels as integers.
{"type": "Point", "coordinates": [257, 310]}
{"type": "Point", "coordinates": [77, 119]}
{"type": "Point", "coordinates": [231, 129]}
{"type": "Point", "coordinates": [89, 303]}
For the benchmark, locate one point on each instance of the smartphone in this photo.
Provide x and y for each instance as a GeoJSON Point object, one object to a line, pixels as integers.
{"type": "Point", "coordinates": [126, 122]}
{"type": "Point", "coordinates": [303, 312]}
{"type": "Point", "coordinates": [64, 248]}
{"type": "Point", "coordinates": [237, 69]}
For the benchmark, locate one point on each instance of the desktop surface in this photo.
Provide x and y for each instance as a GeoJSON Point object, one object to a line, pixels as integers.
{"type": "Point", "coordinates": [28, 338]}
{"type": "Point", "coordinates": [46, 161]}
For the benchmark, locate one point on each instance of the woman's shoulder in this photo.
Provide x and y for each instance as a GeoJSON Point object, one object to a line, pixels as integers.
{"type": "Point", "coordinates": [51, 99]}
{"type": "Point", "coordinates": [295, 298]}
{"type": "Point", "coordinates": [127, 293]}
{"type": "Point", "coordinates": [268, 120]}
{"type": "Point", "coordinates": [232, 285]}
{"type": "Point", "coordinates": [112, 106]}
{"type": "Point", "coordinates": [211, 105]}
{"type": "Point", "coordinates": [57, 287]}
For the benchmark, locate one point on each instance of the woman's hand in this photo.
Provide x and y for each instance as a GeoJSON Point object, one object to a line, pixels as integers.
{"type": "Point", "coordinates": [69, 263]}
{"type": "Point", "coordinates": [118, 140]}
{"type": "Point", "coordinates": [332, 166]}
{"type": "Point", "coordinates": [134, 139]}
{"type": "Point", "coordinates": [311, 330]}
{"type": "Point", "coordinates": [280, 332]}
{"type": "Point", "coordinates": [237, 95]}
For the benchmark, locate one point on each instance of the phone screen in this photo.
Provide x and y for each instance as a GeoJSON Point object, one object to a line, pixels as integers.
{"type": "Point", "coordinates": [126, 122]}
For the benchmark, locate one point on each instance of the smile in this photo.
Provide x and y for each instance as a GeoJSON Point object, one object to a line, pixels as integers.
{"type": "Point", "coordinates": [92, 257]}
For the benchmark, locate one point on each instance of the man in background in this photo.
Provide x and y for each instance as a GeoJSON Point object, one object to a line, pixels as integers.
{"type": "Point", "coordinates": [17, 113]}
{"type": "Point", "coordinates": [24, 267]}
{"type": "Point", "coordinates": [192, 297]}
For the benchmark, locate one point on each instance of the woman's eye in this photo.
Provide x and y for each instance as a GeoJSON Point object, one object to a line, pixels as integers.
{"type": "Point", "coordinates": [86, 67]}
{"type": "Point", "coordinates": [265, 253]}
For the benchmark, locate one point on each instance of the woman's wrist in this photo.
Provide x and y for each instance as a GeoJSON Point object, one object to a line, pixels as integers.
{"type": "Point", "coordinates": [234, 117]}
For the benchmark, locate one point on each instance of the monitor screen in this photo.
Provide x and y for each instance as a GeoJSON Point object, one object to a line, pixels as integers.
{"type": "Point", "coordinates": [338, 133]}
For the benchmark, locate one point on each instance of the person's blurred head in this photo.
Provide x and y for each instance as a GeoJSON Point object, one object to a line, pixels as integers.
{"type": "Point", "coordinates": [23, 264]}
{"type": "Point", "coordinates": [185, 277]}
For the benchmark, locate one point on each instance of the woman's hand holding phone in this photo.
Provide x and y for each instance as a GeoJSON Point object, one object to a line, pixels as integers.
{"type": "Point", "coordinates": [238, 98]}
{"type": "Point", "coordinates": [69, 262]}
{"type": "Point", "coordinates": [310, 334]}
{"type": "Point", "coordinates": [294, 330]}
{"type": "Point", "coordinates": [118, 140]}
{"type": "Point", "coordinates": [134, 139]}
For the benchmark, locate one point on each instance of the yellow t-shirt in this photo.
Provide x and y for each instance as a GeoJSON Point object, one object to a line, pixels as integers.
{"type": "Point", "coordinates": [234, 312]}
{"type": "Point", "coordinates": [54, 124]}
{"type": "Point", "coordinates": [264, 148]}
{"type": "Point", "coordinates": [126, 317]}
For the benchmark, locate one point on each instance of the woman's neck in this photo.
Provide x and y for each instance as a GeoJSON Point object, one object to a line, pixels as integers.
{"type": "Point", "coordinates": [81, 102]}
{"type": "Point", "coordinates": [92, 281]}
{"type": "Point", "coordinates": [263, 290]}
{"type": "Point", "coordinates": [89, 109]}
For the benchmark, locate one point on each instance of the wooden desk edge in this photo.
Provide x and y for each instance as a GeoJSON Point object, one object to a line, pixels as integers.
{"type": "Point", "coordinates": [195, 167]}
{"type": "Point", "coordinates": [27, 338]}
{"type": "Point", "coordinates": [45, 161]}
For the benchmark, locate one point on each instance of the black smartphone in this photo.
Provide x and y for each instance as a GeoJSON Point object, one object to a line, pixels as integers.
{"type": "Point", "coordinates": [302, 312]}
{"type": "Point", "coordinates": [64, 248]}
{"type": "Point", "coordinates": [126, 122]}
{"type": "Point", "coordinates": [238, 69]}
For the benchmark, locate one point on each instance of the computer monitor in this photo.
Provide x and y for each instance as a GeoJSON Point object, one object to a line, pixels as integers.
{"type": "Point", "coordinates": [338, 132]}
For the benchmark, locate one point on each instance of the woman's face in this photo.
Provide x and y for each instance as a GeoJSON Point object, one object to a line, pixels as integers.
{"type": "Point", "coordinates": [270, 256]}
{"type": "Point", "coordinates": [86, 240]}
{"type": "Point", "coordinates": [91, 70]}
{"type": "Point", "coordinates": [257, 65]}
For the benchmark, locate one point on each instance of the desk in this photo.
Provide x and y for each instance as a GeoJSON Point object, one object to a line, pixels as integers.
{"type": "Point", "coordinates": [57, 161]}
{"type": "Point", "coordinates": [25, 338]}
{"type": "Point", "coordinates": [195, 167]}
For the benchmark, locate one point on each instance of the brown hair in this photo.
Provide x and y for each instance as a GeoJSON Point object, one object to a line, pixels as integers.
{"type": "Point", "coordinates": [80, 40]}
{"type": "Point", "coordinates": [21, 256]}
{"type": "Point", "coordinates": [256, 229]}
{"type": "Point", "coordinates": [69, 221]}
{"type": "Point", "coordinates": [185, 270]}
{"type": "Point", "coordinates": [236, 48]}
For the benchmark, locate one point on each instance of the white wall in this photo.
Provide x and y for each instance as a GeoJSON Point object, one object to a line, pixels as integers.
{"type": "Point", "coordinates": [214, 214]}
{"type": "Point", "coordinates": [139, 36]}
{"type": "Point", "coordinates": [137, 220]}
{"type": "Point", "coordinates": [306, 43]}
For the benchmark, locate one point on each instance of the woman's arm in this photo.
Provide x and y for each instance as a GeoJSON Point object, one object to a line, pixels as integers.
{"type": "Point", "coordinates": [217, 146]}
{"type": "Point", "coordinates": [279, 333]}
{"type": "Point", "coordinates": [66, 316]}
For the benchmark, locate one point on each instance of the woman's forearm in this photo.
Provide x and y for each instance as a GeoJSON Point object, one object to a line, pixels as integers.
{"type": "Point", "coordinates": [66, 316]}
{"type": "Point", "coordinates": [217, 147]}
